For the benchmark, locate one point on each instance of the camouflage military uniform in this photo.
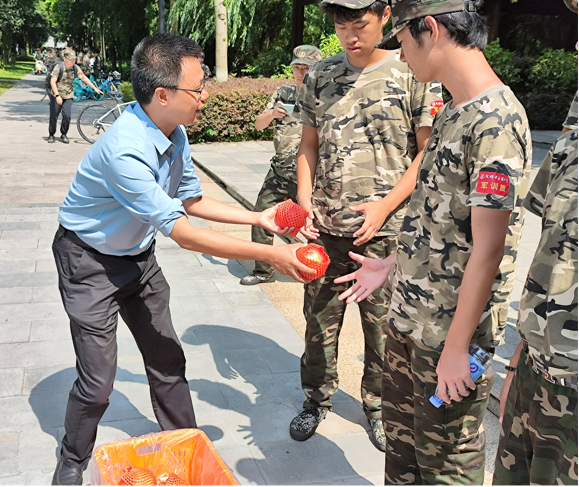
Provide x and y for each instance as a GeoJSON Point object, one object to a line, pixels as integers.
{"type": "Point", "coordinates": [366, 121]}
{"type": "Point", "coordinates": [479, 155]}
{"type": "Point", "coordinates": [538, 443]}
{"type": "Point", "coordinates": [65, 85]}
{"type": "Point", "coordinates": [280, 182]}
{"type": "Point", "coordinates": [571, 120]}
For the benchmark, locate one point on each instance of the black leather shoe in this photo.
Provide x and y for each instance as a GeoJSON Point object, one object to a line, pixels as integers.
{"type": "Point", "coordinates": [64, 138]}
{"type": "Point", "coordinates": [64, 475]}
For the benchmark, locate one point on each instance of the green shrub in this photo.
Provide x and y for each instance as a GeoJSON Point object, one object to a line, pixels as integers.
{"type": "Point", "coordinates": [330, 45]}
{"type": "Point", "coordinates": [553, 72]}
{"type": "Point", "coordinates": [230, 111]}
{"type": "Point", "coordinates": [25, 57]}
{"type": "Point", "coordinates": [126, 89]}
{"type": "Point", "coordinates": [546, 111]}
{"type": "Point", "coordinates": [269, 63]}
{"type": "Point", "coordinates": [502, 62]}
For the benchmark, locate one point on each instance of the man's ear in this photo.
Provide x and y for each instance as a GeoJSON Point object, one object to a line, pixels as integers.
{"type": "Point", "coordinates": [386, 15]}
{"type": "Point", "coordinates": [433, 28]}
{"type": "Point", "coordinates": [161, 96]}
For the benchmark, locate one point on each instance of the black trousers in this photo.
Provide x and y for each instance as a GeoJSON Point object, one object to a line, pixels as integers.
{"type": "Point", "coordinates": [55, 110]}
{"type": "Point", "coordinates": [94, 288]}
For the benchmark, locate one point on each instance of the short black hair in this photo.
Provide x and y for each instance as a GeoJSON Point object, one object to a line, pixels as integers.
{"type": "Point", "coordinates": [157, 61]}
{"type": "Point", "coordinates": [340, 14]}
{"type": "Point", "coordinates": [468, 29]}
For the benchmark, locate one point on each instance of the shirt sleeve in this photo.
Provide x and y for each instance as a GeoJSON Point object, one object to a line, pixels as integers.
{"type": "Point", "coordinates": [131, 181]}
{"type": "Point", "coordinates": [496, 167]}
{"type": "Point", "coordinates": [426, 101]}
{"type": "Point", "coordinates": [271, 103]}
{"type": "Point", "coordinates": [190, 186]}
{"type": "Point", "coordinates": [305, 109]}
{"type": "Point", "coordinates": [55, 70]}
{"type": "Point", "coordinates": [571, 120]}
{"type": "Point", "coordinates": [79, 71]}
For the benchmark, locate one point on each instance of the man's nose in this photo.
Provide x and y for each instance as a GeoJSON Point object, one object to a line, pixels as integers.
{"type": "Point", "coordinates": [402, 56]}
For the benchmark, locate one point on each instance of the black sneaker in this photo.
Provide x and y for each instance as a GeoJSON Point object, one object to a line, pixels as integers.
{"type": "Point", "coordinates": [254, 279]}
{"type": "Point", "coordinates": [378, 435]}
{"type": "Point", "coordinates": [51, 139]}
{"type": "Point", "coordinates": [64, 475]}
{"type": "Point", "coordinates": [304, 425]}
{"type": "Point", "coordinates": [64, 138]}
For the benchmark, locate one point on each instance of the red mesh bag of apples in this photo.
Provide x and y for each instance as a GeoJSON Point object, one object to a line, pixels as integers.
{"type": "Point", "coordinates": [290, 215]}
{"type": "Point", "coordinates": [315, 257]}
{"type": "Point", "coordinates": [180, 457]}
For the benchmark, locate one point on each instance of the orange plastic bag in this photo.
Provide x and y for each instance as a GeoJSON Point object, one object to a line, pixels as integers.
{"type": "Point", "coordinates": [187, 453]}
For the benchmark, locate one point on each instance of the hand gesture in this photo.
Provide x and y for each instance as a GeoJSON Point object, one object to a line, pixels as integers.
{"type": "Point", "coordinates": [308, 230]}
{"type": "Point", "coordinates": [286, 262]}
{"type": "Point", "coordinates": [278, 111]}
{"type": "Point", "coordinates": [376, 212]}
{"type": "Point", "coordinates": [98, 91]}
{"type": "Point", "coordinates": [372, 275]}
{"type": "Point", "coordinates": [59, 100]}
{"type": "Point", "coordinates": [266, 219]}
{"type": "Point", "coordinates": [453, 372]}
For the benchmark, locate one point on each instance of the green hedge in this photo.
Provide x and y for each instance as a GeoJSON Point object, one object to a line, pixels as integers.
{"type": "Point", "coordinates": [230, 112]}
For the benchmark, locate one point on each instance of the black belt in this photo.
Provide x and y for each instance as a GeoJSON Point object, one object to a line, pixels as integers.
{"type": "Point", "coordinates": [539, 369]}
{"type": "Point", "coordinates": [74, 238]}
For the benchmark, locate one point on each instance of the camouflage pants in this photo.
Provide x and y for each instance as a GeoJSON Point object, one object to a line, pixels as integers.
{"type": "Point", "coordinates": [275, 189]}
{"type": "Point", "coordinates": [324, 315]}
{"type": "Point", "coordinates": [538, 443]}
{"type": "Point", "coordinates": [426, 445]}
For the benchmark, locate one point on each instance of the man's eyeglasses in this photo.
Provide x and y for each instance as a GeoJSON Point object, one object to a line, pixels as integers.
{"type": "Point", "coordinates": [200, 90]}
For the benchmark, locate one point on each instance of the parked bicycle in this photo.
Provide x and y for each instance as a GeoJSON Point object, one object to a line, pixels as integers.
{"type": "Point", "coordinates": [109, 85]}
{"type": "Point", "coordinates": [95, 119]}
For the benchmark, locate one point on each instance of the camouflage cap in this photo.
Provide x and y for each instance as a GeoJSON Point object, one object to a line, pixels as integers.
{"type": "Point", "coordinates": [403, 11]}
{"type": "Point", "coordinates": [355, 4]}
{"type": "Point", "coordinates": [308, 55]}
{"type": "Point", "coordinates": [572, 5]}
{"type": "Point", "coordinates": [69, 54]}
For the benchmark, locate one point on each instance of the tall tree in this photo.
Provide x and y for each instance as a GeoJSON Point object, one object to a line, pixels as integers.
{"type": "Point", "coordinates": [221, 40]}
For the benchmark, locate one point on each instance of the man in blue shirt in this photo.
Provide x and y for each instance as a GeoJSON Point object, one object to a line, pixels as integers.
{"type": "Point", "coordinates": [136, 180]}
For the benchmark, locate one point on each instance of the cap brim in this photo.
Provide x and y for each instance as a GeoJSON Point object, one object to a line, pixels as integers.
{"type": "Point", "coordinates": [389, 41]}
{"type": "Point", "coordinates": [306, 62]}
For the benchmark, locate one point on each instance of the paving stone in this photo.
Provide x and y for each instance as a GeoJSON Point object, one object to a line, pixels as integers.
{"type": "Point", "coordinates": [15, 295]}
{"type": "Point", "coordinates": [14, 332]}
{"type": "Point", "coordinates": [49, 380]}
{"type": "Point", "coordinates": [38, 448]}
{"type": "Point", "coordinates": [37, 354]}
{"type": "Point", "coordinates": [30, 477]}
{"type": "Point", "coordinates": [280, 362]}
{"type": "Point", "coordinates": [19, 226]}
{"type": "Point", "coordinates": [248, 300]}
{"type": "Point", "coordinates": [37, 411]}
{"type": "Point", "coordinates": [45, 265]}
{"type": "Point", "coordinates": [32, 311]}
{"type": "Point", "coordinates": [240, 460]}
{"type": "Point", "coordinates": [18, 266]}
{"type": "Point", "coordinates": [9, 454]}
{"type": "Point", "coordinates": [25, 254]}
{"type": "Point", "coordinates": [11, 380]}
{"type": "Point", "coordinates": [22, 243]}
{"type": "Point", "coordinates": [230, 286]}
{"type": "Point", "coordinates": [32, 279]}
{"type": "Point", "coordinates": [36, 217]}
{"type": "Point", "coordinates": [269, 316]}
{"type": "Point", "coordinates": [42, 330]}
{"type": "Point", "coordinates": [195, 303]}
{"type": "Point", "coordinates": [207, 395]}
{"type": "Point", "coordinates": [243, 362]}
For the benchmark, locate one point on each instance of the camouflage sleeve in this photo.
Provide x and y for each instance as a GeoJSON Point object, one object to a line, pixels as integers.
{"type": "Point", "coordinates": [495, 166]}
{"type": "Point", "coordinates": [305, 108]}
{"type": "Point", "coordinates": [535, 200]}
{"type": "Point", "coordinates": [55, 70]}
{"type": "Point", "coordinates": [426, 101]}
{"type": "Point", "coordinates": [571, 120]}
{"type": "Point", "coordinates": [79, 71]}
{"type": "Point", "coordinates": [272, 101]}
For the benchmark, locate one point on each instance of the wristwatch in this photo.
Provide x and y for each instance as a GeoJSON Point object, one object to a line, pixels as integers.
{"type": "Point", "coordinates": [58, 94]}
{"type": "Point", "coordinates": [510, 369]}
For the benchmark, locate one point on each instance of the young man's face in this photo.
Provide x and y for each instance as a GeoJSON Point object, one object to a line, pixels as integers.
{"type": "Point", "coordinates": [68, 63]}
{"type": "Point", "coordinates": [415, 55]}
{"type": "Point", "coordinates": [186, 106]}
{"type": "Point", "coordinates": [300, 71]}
{"type": "Point", "coordinates": [359, 37]}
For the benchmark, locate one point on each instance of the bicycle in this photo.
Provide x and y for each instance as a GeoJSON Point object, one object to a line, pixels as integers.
{"type": "Point", "coordinates": [109, 87]}
{"type": "Point", "coordinates": [95, 119]}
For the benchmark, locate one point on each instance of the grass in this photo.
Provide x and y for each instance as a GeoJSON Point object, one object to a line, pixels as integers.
{"type": "Point", "coordinates": [5, 86]}
{"type": "Point", "coordinates": [17, 70]}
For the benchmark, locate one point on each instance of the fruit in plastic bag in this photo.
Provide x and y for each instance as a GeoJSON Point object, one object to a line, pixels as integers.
{"type": "Point", "coordinates": [137, 476]}
{"type": "Point", "coordinates": [170, 479]}
{"type": "Point", "coordinates": [315, 257]}
{"type": "Point", "coordinates": [289, 214]}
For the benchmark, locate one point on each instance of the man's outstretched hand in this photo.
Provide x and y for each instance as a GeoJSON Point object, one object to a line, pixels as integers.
{"type": "Point", "coordinates": [372, 275]}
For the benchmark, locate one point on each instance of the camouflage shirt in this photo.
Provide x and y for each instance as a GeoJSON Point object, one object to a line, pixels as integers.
{"type": "Point", "coordinates": [65, 85]}
{"type": "Point", "coordinates": [571, 120]}
{"type": "Point", "coordinates": [366, 121]}
{"type": "Point", "coordinates": [548, 309]}
{"type": "Point", "coordinates": [479, 155]}
{"type": "Point", "coordinates": [287, 133]}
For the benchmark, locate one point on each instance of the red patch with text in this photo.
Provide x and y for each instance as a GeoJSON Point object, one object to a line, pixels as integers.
{"type": "Point", "coordinates": [435, 106]}
{"type": "Point", "coordinates": [493, 183]}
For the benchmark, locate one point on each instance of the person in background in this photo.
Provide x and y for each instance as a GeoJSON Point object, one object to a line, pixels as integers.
{"type": "Point", "coordinates": [280, 182]}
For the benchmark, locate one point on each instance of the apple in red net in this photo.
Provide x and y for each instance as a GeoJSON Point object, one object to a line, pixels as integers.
{"type": "Point", "coordinates": [137, 476]}
{"type": "Point", "coordinates": [315, 257]}
{"type": "Point", "coordinates": [290, 215]}
{"type": "Point", "coordinates": [170, 479]}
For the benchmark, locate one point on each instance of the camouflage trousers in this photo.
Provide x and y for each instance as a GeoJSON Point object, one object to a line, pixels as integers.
{"type": "Point", "coordinates": [275, 189]}
{"type": "Point", "coordinates": [324, 315]}
{"type": "Point", "coordinates": [538, 443]}
{"type": "Point", "coordinates": [426, 445]}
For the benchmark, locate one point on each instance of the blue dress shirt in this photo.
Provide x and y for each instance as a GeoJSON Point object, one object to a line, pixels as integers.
{"type": "Point", "coordinates": [132, 182]}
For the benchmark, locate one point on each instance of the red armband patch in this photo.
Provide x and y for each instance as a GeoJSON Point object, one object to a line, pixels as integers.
{"type": "Point", "coordinates": [435, 106]}
{"type": "Point", "coordinates": [493, 183]}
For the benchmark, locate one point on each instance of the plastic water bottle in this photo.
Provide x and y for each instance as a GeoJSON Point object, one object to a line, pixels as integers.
{"type": "Point", "coordinates": [479, 362]}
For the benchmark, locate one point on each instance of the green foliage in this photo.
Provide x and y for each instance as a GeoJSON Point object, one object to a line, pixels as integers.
{"type": "Point", "coordinates": [546, 111]}
{"type": "Point", "coordinates": [230, 112]}
{"type": "Point", "coordinates": [126, 89]}
{"type": "Point", "coordinates": [268, 63]}
{"type": "Point", "coordinates": [5, 86]}
{"type": "Point", "coordinates": [502, 62]}
{"type": "Point", "coordinates": [553, 72]}
{"type": "Point", "coordinates": [25, 57]}
{"type": "Point", "coordinates": [16, 70]}
{"type": "Point", "coordinates": [330, 45]}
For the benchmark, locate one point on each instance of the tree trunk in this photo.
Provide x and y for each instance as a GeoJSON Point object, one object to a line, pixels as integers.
{"type": "Point", "coordinates": [220, 40]}
{"type": "Point", "coordinates": [161, 16]}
